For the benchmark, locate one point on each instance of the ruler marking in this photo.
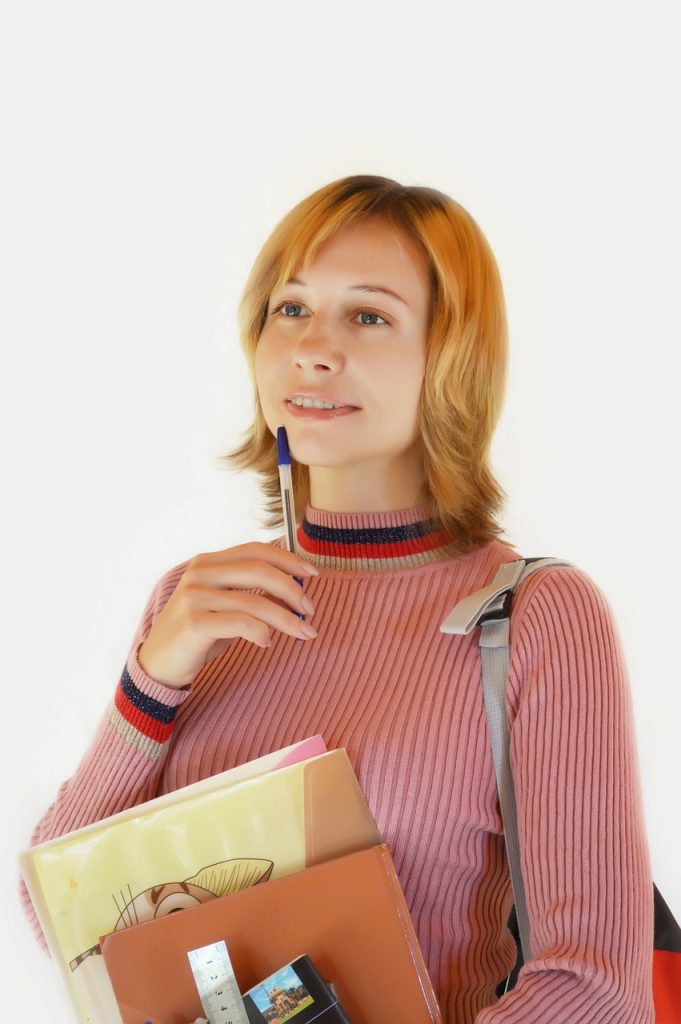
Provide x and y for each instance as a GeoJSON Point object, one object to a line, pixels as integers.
{"type": "Point", "coordinates": [204, 961]}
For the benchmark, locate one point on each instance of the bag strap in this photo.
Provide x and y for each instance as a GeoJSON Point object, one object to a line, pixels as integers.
{"type": "Point", "coordinates": [490, 608]}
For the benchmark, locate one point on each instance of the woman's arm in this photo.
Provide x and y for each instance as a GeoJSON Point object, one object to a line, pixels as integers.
{"type": "Point", "coordinates": [124, 761]}
{"type": "Point", "coordinates": [584, 852]}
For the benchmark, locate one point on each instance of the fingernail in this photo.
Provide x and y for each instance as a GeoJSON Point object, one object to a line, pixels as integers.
{"type": "Point", "coordinates": [307, 630]}
{"type": "Point", "coordinates": [308, 570]}
{"type": "Point", "coordinates": [307, 605]}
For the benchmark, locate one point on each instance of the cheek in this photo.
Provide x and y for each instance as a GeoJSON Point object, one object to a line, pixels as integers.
{"type": "Point", "coordinates": [267, 387]}
{"type": "Point", "coordinates": [259, 363]}
{"type": "Point", "coordinates": [401, 379]}
{"type": "Point", "coordinates": [267, 355]}
{"type": "Point", "coordinates": [263, 373]}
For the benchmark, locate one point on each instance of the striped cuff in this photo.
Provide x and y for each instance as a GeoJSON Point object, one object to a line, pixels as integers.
{"type": "Point", "coordinates": [143, 710]}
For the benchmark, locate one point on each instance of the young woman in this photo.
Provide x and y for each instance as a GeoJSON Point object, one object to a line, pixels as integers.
{"type": "Point", "coordinates": [386, 301]}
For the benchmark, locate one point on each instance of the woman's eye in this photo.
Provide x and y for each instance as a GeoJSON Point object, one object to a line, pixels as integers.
{"type": "Point", "coordinates": [284, 306]}
{"type": "Point", "coordinates": [370, 312]}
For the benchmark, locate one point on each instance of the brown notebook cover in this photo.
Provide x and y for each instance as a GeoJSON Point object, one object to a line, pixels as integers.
{"type": "Point", "coordinates": [348, 915]}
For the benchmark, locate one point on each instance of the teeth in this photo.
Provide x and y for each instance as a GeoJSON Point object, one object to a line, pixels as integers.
{"type": "Point", "coordinates": [309, 403]}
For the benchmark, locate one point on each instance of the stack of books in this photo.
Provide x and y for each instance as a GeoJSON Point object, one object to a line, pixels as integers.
{"type": "Point", "coordinates": [279, 859]}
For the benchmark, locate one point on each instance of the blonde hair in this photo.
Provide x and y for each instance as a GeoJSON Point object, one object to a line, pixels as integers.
{"type": "Point", "coordinates": [466, 354]}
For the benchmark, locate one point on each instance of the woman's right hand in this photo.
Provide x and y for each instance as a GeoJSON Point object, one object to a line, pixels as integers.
{"type": "Point", "coordinates": [208, 609]}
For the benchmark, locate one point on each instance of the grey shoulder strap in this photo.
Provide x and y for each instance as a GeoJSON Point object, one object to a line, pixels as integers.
{"type": "Point", "coordinates": [490, 607]}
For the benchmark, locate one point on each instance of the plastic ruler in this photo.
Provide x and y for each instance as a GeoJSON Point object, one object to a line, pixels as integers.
{"type": "Point", "coordinates": [217, 985]}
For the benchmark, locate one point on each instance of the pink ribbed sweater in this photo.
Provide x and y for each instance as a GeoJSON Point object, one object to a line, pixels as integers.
{"type": "Point", "coordinates": [405, 700]}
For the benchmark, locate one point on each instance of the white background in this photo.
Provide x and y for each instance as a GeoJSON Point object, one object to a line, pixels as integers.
{"type": "Point", "coordinates": [150, 148]}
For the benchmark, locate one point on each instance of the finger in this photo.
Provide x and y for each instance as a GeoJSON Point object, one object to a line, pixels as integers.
{"type": "Point", "coordinates": [250, 574]}
{"type": "Point", "coordinates": [227, 613]}
{"type": "Point", "coordinates": [280, 558]}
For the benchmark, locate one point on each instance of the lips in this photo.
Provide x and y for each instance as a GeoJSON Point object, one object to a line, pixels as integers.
{"type": "Point", "coordinates": [312, 413]}
{"type": "Point", "coordinates": [337, 402]}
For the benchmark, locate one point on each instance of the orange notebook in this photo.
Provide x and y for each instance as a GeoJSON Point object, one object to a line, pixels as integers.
{"type": "Point", "coordinates": [348, 915]}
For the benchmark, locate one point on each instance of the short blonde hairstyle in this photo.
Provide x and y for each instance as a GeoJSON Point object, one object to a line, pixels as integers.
{"type": "Point", "coordinates": [466, 355]}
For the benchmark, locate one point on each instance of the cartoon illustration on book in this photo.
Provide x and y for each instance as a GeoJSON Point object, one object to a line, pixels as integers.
{"type": "Point", "coordinates": [221, 879]}
{"type": "Point", "coordinates": [167, 898]}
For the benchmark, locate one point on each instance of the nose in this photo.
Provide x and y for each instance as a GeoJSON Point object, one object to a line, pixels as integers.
{"type": "Point", "coordinates": [316, 349]}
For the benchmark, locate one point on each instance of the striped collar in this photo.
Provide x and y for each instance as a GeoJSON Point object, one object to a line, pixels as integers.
{"type": "Point", "coordinates": [382, 541]}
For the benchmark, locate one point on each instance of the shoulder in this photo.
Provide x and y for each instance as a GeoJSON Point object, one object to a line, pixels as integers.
{"type": "Point", "coordinates": [563, 585]}
{"type": "Point", "coordinates": [549, 588]}
{"type": "Point", "coordinates": [562, 606]}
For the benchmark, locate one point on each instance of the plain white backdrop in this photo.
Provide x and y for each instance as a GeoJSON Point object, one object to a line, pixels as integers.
{"type": "Point", "coordinates": [150, 148]}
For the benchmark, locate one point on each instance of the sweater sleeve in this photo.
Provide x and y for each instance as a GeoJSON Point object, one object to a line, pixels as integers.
{"type": "Point", "coordinates": [122, 765]}
{"type": "Point", "coordinates": [583, 846]}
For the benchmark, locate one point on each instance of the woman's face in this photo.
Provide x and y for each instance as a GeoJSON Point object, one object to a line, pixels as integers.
{"type": "Point", "coordinates": [361, 347]}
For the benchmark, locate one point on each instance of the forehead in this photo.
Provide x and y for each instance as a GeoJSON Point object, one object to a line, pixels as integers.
{"type": "Point", "coordinates": [370, 249]}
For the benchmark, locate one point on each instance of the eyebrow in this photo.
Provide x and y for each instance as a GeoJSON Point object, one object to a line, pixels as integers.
{"type": "Point", "coordinates": [358, 288]}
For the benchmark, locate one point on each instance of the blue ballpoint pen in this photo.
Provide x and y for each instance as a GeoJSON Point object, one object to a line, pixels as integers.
{"type": "Point", "coordinates": [286, 484]}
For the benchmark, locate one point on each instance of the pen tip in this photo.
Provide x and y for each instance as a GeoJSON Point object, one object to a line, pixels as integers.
{"type": "Point", "coordinates": [283, 456]}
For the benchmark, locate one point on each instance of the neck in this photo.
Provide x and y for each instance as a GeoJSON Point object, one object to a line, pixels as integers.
{"type": "Point", "coordinates": [379, 483]}
{"type": "Point", "coordinates": [384, 541]}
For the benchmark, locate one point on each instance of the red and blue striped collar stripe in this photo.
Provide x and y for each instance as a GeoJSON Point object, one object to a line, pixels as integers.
{"type": "Point", "coordinates": [372, 540]}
